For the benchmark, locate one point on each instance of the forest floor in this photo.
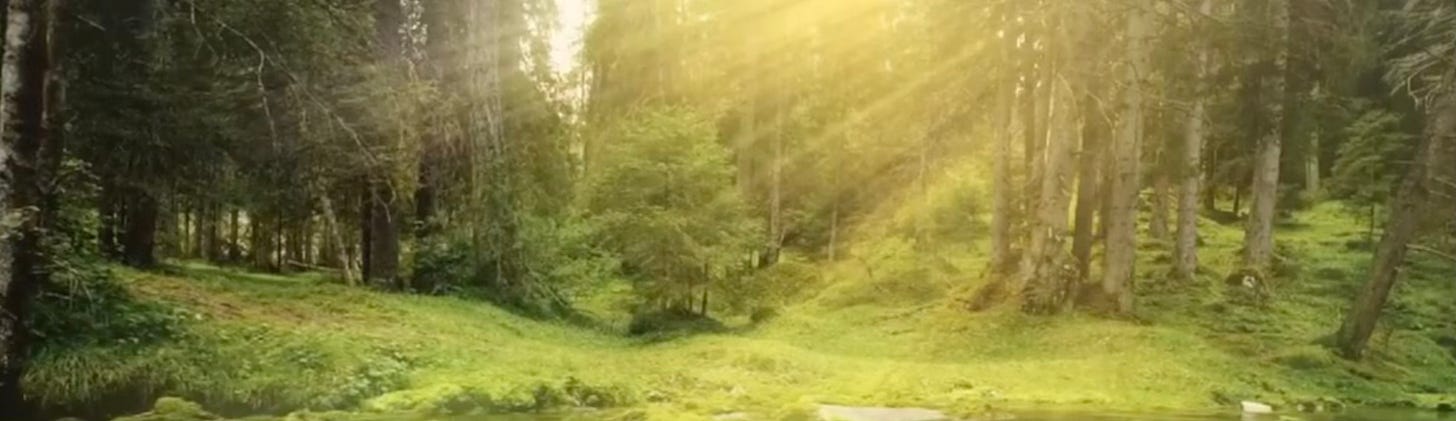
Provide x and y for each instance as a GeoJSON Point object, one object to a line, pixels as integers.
{"type": "Point", "coordinates": [885, 328]}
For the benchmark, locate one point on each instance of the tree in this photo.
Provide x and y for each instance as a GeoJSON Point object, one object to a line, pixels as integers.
{"type": "Point", "coordinates": [664, 204]}
{"type": "Point", "coordinates": [1185, 251]}
{"type": "Point", "coordinates": [1123, 185]}
{"type": "Point", "coordinates": [30, 151]}
{"type": "Point", "coordinates": [1412, 202]}
{"type": "Point", "coordinates": [1007, 128]}
{"type": "Point", "coordinates": [1269, 78]}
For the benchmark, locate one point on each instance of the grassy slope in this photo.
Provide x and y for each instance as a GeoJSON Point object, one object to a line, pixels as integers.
{"type": "Point", "coordinates": [885, 329]}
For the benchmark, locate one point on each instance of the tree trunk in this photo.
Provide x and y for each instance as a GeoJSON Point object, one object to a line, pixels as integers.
{"type": "Point", "coordinates": [746, 138]}
{"type": "Point", "coordinates": [1122, 192]}
{"type": "Point", "coordinates": [1089, 198]}
{"type": "Point", "coordinates": [1438, 157]}
{"type": "Point", "coordinates": [1158, 221]}
{"type": "Point", "coordinates": [260, 250]}
{"type": "Point", "coordinates": [381, 244]}
{"type": "Point", "coordinates": [139, 242]}
{"type": "Point", "coordinates": [30, 148]}
{"type": "Point", "coordinates": [1238, 199]}
{"type": "Point", "coordinates": [425, 198]}
{"type": "Point", "coordinates": [1185, 248]}
{"type": "Point", "coordinates": [776, 193]}
{"type": "Point", "coordinates": [1264, 191]}
{"type": "Point", "coordinates": [212, 227]}
{"type": "Point", "coordinates": [235, 252]}
{"type": "Point", "coordinates": [109, 208]}
{"type": "Point", "coordinates": [331, 224]}
{"type": "Point", "coordinates": [1045, 275]}
{"type": "Point", "coordinates": [1003, 199]}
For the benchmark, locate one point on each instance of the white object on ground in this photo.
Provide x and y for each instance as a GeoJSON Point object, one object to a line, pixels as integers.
{"type": "Point", "coordinates": [1251, 407]}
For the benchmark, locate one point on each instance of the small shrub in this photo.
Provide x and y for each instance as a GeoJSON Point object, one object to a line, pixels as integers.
{"type": "Point", "coordinates": [671, 321]}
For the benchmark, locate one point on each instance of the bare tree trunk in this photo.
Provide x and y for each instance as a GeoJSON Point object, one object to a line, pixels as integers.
{"type": "Point", "coordinates": [108, 208]}
{"type": "Point", "coordinates": [139, 242]}
{"type": "Point", "coordinates": [1045, 275]}
{"type": "Point", "coordinates": [381, 237]}
{"type": "Point", "coordinates": [1122, 192]}
{"type": "Point", "coordinates": [235, 247]}
{"type": "Point", "coordinates": [746, 139]}
{"type": "Point", "coordinates": [1438, 158]}
{"type": "Point", "coordinates": [382, 244]}
{"type": "Point", "coordinates": [1312, 153]}
{"type": "Point", "coordinates": [775, 195]}
{"type": "Point", "coordinates": [837, 197]}
{"type": "Point", "coordinates": [1089, 196]}
{"type": "Point", "coordinates": [1264, 191]}
{"type": "Point", "coordinates": [30, 135]}
{"type": "Point", "coordinates": [213, 228]}
{"type": "Point", "coordinates": [1185, 247]}
{"type": "Point", "coordinates": [1158, 222]}
{"type": "Point", "coordinates": [1008, 129]}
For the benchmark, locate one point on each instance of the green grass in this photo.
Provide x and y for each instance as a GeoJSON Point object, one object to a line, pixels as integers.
{"type": "Point", "coordinates": [886, 328]}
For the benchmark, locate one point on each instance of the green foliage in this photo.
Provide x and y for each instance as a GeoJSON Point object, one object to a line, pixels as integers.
{"type": "Point", "coordinates": [663, 202]}
{"type": "Point", "coordinates": [443, 264]}
{"type": "Point", "coordinates": [562, 254]}
{"type": "Point", "coordinates": [1372, 160]}
{"type": "Point", "coordinates": [85, 306]}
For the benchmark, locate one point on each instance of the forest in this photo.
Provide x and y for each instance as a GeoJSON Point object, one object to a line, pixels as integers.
{"type": "Point", "coordinates": [863, 210]}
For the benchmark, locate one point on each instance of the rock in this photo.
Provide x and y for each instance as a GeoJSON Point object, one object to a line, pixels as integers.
{"type": "Point", "coordinates": [851, 413]}
{"type": "Point", "coordinates": [1251, 407]}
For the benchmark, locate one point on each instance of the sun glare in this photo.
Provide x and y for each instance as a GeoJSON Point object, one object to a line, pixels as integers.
{"type": "Point", "coordinates": [571, 20]}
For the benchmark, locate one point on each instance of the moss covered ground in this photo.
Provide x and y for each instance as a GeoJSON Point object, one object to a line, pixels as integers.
{"type": "Point", "coordinates": [884, 326]}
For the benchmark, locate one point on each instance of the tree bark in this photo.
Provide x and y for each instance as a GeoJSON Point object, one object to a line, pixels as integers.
{"type": "Point", "coordinates": [1437, 158]}
{"type": "Point", "coordinates": [331, 224]}
{"type": "Point", "coordinates": [776, 188]}
{"type": "Point", "coordinates": [140, 240]}
{"type": "Point", "coordinates": [1264, 191]}
{"type": "Point", "coordinates": [235, 252]}
{"type": "Point", "coordinates": [1158, 221]}
{"type": "Point", "coordinates": [381, 239]}
{"type": "Point", "coordinates": [30, 149]}
{"type": "Point", "coordinates": [1003, 194]}
{"type": "Point", "coordinates": [1185, 247]}
{"type": "Point", "coordinates": [1122, 194]}
{"type": "Point", "coordinates": [1045, 275]}
{"type": "Point", "coordinates": [1089, 196]}
{"type": "Point", "coordinates": [109, 208]}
